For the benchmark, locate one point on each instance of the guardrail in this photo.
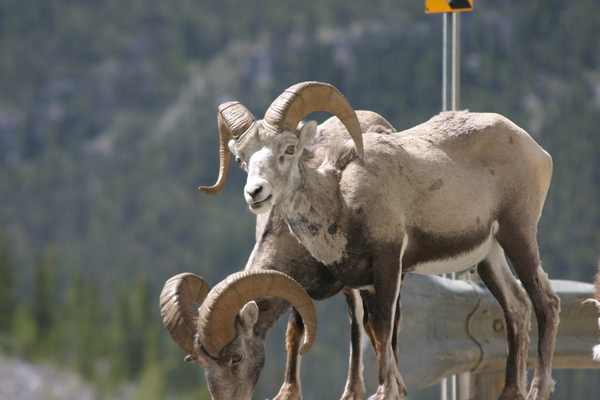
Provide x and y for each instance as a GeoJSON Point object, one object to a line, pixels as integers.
{"type": "Point", "coordinates": [454, 326]}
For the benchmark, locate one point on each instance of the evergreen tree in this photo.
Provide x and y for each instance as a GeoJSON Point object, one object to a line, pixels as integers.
{"type": "Point", "coordinates": [146, 320]}
{"type": "Point", "coordinates": [45, 305]}
{"type": "Point", "coordinates": [8, 287]}
{"type": "Point", "coordinates": [120, 351]}
{"type": "Point", "coordinates": [86, 334]}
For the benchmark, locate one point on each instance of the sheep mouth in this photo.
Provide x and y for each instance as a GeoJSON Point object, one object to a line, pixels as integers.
{"type": "Point", "coordinates": [259, 204]}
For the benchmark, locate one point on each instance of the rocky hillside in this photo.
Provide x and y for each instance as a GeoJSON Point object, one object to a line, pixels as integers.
{"type": "Point", "coordinates": [21, 380]}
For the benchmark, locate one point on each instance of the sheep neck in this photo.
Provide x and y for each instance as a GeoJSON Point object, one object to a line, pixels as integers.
{"type": "Point", "coordinates": [313, 211]}
{"type": "Point", "coordinates": [271, 310]}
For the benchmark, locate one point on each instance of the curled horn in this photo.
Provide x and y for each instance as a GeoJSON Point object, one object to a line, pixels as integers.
{"type": "Point", "coordinates": [216, 324]}
{"type": "Point", "coordinates": [233, 119]}
{"type": "Point", "coordinates": [304, 98]}
{"type": "Point", "coordinates": [177, 300]}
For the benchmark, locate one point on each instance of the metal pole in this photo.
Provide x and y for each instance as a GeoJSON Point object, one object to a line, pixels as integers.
{"type": "Point", "coordinates": [455, 61]}
{"type": "Point", "coordinates": [451, 62]}
{"type": "Point", "coordinates": [444, 388]}
{"type": "Point", "coordinates": [453, 386]}
{"type": "Point", "coordinates": [450, 101]}
{"type": "Point", "coordinates": [446, 102]}
{"type": "Point", "coordinates": [446, 51]}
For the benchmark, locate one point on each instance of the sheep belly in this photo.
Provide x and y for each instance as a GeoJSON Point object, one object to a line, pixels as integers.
{"type": "Point", "coordinates": [460, 261]}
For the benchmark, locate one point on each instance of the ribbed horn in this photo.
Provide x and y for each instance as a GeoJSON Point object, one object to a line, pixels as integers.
{"type": "Point", "coordinates": [233, 119]}
{"type": "Point", "coordinates": [177, 300]}
{"type": "Point", "coordinates": [216, 323]}
{"type": "Point", "coordinates": [304, 98]}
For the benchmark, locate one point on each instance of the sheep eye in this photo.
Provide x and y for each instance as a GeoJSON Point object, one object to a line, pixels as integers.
{"type": "Point", "coordinates": [290, 150]}
{"type": "Point", "coordinates": [236, 359]}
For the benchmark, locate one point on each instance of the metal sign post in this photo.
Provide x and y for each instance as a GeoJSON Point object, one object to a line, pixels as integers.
{"type": "Point", "coordinates": [451, 48]}
{"type": "Point", "coordinates": [451, 102]}
{"type": "Point", "coordinates": [451, 63]}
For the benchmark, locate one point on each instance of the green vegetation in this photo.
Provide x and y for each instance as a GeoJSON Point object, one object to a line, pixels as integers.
{"type": "Point", "coordinates": [107, 128]}
{"type": "Point", "coordinates": [8, 288]}
{"type": "Point", "coordinates": [69, 324]}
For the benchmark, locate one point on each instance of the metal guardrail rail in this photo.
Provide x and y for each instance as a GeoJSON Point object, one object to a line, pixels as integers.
{"type": "Point", "coordinates": [454, 326]}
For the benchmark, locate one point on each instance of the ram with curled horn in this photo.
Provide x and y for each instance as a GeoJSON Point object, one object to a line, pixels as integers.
{"type": "Point", "coordinates": [460, 190]}
{"type": "Point", "coordinates": [237, 124]}
{"type": "Point", "coordinates": [229, 310]}
{"type": "Point", "coordinates": [276, 249]}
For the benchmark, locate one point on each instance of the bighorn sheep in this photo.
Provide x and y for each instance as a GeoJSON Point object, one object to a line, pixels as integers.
{"type": "Point", "coordinates": [459, 190]}
{"type": "Point", "coordinates": [596, 301]}
{"type": "Point", "coordinates": [277, 250]}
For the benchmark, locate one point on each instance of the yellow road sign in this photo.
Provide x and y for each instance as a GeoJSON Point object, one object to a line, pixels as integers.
{"type": "Point", "coordinates": [444, 6]}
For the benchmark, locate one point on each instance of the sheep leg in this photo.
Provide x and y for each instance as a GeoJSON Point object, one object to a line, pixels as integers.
{"type": "Point", "coordinates": [355, 387]}
{"type": "Point", "coordinates": [522, 250]}
{"type": "Point", "coordinates": [381, 307]}
{"type": "Point", "coordinates": [290, 390]}
{"type": "Point", "coordinates": [496, 274]}
{"type": "Point", "coordinates": [366, 320]}
{"type": "Point", "coordinates": [397, 328]}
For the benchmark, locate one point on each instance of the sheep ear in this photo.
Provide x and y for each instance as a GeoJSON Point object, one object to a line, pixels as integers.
{"type": "Point", "coordinates": [249, 315]}
{"type": "Point", "coordinates": [231, 146]}
{"type": "Point", "coordinates": [307, 133]}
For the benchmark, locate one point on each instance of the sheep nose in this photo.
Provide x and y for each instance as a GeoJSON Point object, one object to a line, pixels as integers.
{"type": "Point", "coordinates": [257, 190]}
{"type": "Point", "coordinates": [254, 191]}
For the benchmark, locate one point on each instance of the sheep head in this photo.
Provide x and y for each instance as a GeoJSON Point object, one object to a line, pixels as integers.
{"type": "Point", "coordinates": [278, 136]}
{"type": "Point", "coordinates": [226, 336]}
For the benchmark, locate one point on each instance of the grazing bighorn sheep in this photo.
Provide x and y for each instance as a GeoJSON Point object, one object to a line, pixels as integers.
{"type": "Point", "coordinates": [275, 249]}
{"type": "Point", "coordinates": [596, 301]}
{"type": "Point", "coordinates": [225, 336]}
{"type": "Point", "coordinates": [459, 190]}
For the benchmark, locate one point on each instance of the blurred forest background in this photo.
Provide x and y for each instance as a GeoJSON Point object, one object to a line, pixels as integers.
{"type": "Point", "coordinates": [108, 127]}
